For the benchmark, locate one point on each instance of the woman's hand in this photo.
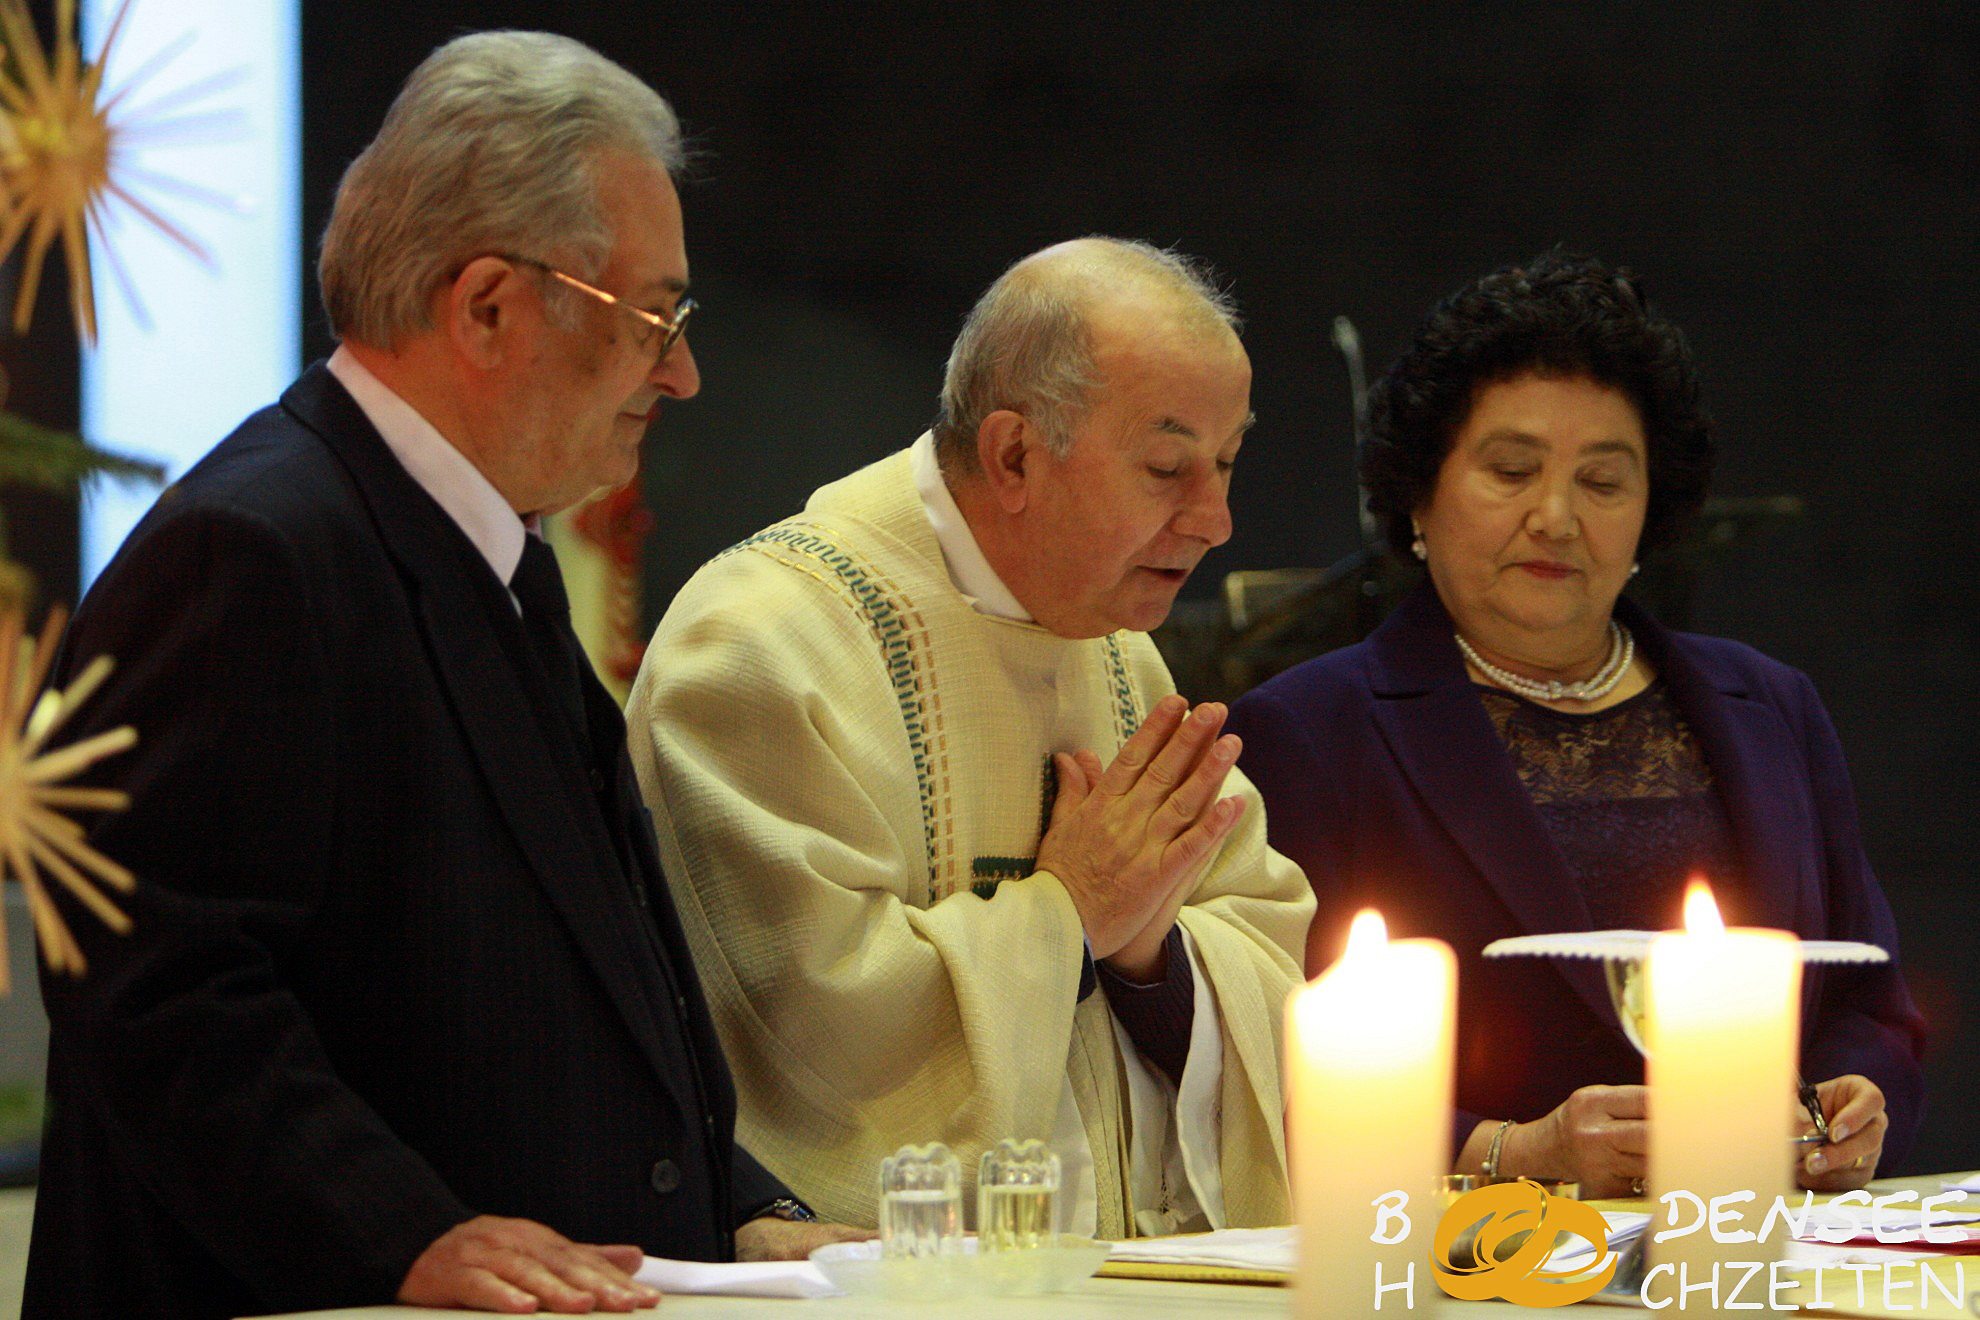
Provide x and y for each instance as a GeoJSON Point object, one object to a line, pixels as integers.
{"type": "Point", "coordinates": [1855, 1110]}
{"type": "Point", "coordinates": [1598, 1137]}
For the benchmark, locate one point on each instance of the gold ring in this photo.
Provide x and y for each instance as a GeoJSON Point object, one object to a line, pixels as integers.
{"type": "Point", "coordinates": [1636, 1186]}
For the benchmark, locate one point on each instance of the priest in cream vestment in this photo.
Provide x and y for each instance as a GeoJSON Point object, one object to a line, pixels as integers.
{"type": "Point", "coordinates": [955, 863]}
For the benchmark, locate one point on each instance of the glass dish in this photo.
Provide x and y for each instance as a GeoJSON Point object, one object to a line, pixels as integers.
{"type": "Point", "coordinates": [859, 1270]}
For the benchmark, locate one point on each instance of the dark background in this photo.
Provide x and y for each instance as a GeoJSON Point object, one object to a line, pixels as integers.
{"type": "Point", "coordinates": [1797, 184]}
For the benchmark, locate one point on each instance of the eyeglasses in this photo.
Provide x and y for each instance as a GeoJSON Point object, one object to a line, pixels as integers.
{"type": "Point", "coordinates": [670, 331]}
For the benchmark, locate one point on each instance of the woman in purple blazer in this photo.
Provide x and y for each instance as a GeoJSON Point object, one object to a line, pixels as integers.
{"type": "Point", "coordinates": [1519, 750]}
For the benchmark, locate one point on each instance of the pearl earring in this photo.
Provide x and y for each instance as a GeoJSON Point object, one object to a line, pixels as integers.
{"type": "Point", "coordinates": [1417, 547]}
{"type": "Point", "coordinates": [1634, 569]}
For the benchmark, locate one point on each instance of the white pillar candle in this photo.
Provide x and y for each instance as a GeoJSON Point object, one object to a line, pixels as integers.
{"type": "Point", "coordinates": [1724, 1022]}
{"type": "Point", "coordinates": [1369, 1074]}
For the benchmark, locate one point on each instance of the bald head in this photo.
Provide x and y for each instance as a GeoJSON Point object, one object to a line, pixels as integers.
{"type": "Point", "coordinates": [1031, 343]}
{"type": "Point", "coordinates": [1098, 271]}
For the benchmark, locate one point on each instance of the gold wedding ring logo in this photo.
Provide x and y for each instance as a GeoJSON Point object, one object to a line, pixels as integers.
{"type": "Point", "coordinates": [1495, 1242]}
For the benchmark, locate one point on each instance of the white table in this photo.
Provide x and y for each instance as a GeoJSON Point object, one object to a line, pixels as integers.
{"type": "Point", "coordinates": [1095, 1299]}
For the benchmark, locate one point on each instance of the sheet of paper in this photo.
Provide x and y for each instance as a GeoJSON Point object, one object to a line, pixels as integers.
{"type": "Point", "coordinates": [1625, 1226]}
{"type": "Point", "coordinates": [777, 1278]}
{"type": "Point", "coordinates": [1231, 1248]}
{"type": "Point", "coordinates": [1272, 1248]}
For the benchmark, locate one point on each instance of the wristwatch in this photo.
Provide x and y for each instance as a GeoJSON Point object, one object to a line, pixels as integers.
{"type": "Point", "coordinates": [787, 1207]}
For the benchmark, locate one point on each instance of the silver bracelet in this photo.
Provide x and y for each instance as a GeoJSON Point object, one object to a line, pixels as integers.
{"type": "Point", "coordinates": [1491, 1165]}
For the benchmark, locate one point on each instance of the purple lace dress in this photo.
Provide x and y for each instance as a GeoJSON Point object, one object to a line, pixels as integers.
{"type": "Point", "coordinates": [1628, 798]}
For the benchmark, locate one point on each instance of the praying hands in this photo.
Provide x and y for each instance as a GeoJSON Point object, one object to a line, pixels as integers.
{"type": "Point", "coordinates": [1128, 842]}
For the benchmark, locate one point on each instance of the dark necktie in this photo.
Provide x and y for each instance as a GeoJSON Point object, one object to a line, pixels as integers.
{"type": "Point", "coordinates": [546, 613]}
{"type": "Point", "coordinates": [538, 586]}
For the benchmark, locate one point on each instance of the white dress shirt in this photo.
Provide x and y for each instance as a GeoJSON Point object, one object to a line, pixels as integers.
{"type": "Point", "coordinates": [441, 470]}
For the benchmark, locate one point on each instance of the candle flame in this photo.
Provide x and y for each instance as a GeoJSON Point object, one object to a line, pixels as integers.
{"type": "Point", "coordinates": [1701, 913]}
{"type": "Point", "coordinates": [1368, 933]}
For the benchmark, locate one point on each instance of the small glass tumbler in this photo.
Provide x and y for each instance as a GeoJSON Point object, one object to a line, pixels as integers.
{"type": "Point", "coordinates": [1017, 1195]}
{"type": "Point", "coordinates": [921, 1202]}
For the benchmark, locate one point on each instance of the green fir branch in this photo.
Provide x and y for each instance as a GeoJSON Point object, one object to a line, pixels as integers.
{"type": "Point", "coordinates": [38, 455]}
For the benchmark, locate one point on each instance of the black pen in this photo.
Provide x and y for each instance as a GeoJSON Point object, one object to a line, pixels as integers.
{"type": "Point", "coordinates": [1813, 1104]}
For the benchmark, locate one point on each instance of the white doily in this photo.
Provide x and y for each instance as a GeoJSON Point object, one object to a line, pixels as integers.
{"type": "Point", "coordinates": [1633, 945]}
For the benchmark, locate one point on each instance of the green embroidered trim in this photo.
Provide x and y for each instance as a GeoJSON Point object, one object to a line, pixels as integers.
{"type": "Point", "coordinates": [989, 872]}
{"type": "Point", "coordinates": [896, 648]}
{"type": "Point", "coordinates": [1127, 711]}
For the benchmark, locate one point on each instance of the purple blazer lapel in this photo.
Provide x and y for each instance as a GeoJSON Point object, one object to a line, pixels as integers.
{"type": "Point", "coordinates": [1437, 730]}
{"type": "Point", "coordinates": [1753, 754]}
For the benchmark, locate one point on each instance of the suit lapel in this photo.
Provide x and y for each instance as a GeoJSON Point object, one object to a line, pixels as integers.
{"type": "Point", "coordinates": [1438, 731]}
{"type": "Point", "coordinates": [457, 604]}
{"type": "Point", "coordinates": [1751, 751]}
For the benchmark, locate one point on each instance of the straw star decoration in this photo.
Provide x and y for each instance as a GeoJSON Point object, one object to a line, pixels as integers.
{"type": "Point", "coordinates": [66, 153]}
{"type": "Point", "coordinates": [34, 834]}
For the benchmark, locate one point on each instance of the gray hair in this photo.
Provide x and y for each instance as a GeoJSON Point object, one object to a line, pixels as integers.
{"type": "Point", "coordinates": [491, 146]}
{"type": "Point", "coordinates": [1027, 345]}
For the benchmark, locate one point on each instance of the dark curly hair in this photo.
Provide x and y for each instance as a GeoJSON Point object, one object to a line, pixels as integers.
{"type": "Point", "coordinates": [1561, 314]}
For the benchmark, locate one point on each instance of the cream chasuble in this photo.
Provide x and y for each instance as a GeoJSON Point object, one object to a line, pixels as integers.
{"type": "Point", "coordinates": [849, 766]}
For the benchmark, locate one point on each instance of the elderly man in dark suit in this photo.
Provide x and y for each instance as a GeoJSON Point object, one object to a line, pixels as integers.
{"type": "Point", "coordinates": [406, 1012]}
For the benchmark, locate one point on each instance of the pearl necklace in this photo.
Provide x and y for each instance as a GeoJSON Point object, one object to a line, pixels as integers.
{"type": "Point", "coordinates": [1622, 650]}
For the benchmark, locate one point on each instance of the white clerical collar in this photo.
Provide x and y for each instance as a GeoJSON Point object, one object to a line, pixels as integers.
{"type": "Point", "coordinates": [441, 470]}
{"type": "Point", "coordinates": [968, 569]}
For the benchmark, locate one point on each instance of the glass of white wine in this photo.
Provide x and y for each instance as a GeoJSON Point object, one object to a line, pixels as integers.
{"type": "Point", "coordinates": [1017, 1197]}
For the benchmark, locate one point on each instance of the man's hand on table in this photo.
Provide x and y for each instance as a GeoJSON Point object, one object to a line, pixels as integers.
{"type": "Point", "coordinates": [1128, 842]}
{"type": "Point", "coordinates": [518, 1266]}
{"type": "Point", "coordinates": [771, 1238]}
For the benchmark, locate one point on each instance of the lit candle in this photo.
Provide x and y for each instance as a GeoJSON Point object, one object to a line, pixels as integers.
{"type": "Point", "coordinates": [1724, 1020]}
{"type": "Point", "coordinates": [1369, 1073]}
